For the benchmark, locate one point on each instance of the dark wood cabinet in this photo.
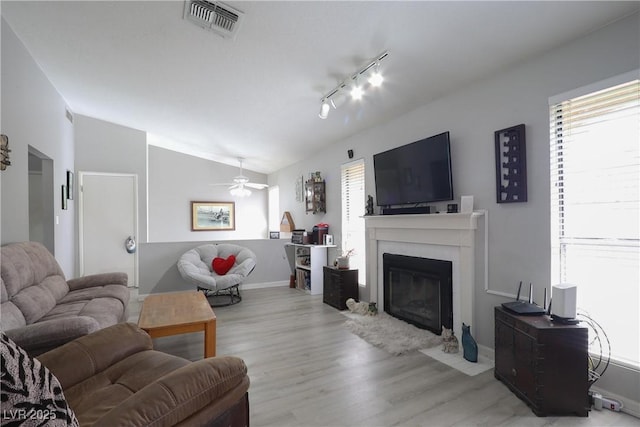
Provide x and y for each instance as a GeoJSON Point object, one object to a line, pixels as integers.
{"type": "Point", "coordinates": [339, 286]}
{"type": "Point", "coordinates": [545, 364]}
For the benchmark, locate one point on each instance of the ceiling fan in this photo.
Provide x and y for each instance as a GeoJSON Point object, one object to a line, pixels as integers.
{"type": "Point", "coordinates": [240, 183]}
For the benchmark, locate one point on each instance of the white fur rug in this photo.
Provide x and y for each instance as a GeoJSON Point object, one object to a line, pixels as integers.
{"type": "Point", "coordinates": [391, 334]}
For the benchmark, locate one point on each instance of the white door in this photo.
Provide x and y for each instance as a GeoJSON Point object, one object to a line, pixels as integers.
{"type": "Point", "coordinates": [108, 216]}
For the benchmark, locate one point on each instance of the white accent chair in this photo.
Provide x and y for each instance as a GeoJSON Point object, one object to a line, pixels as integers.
{"type": "Point", "coordinates": [195, 267]}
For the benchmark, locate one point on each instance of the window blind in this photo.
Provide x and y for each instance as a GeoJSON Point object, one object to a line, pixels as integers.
{"type": "Point", "coordinates": [353, 209]}
{"type": "Point", "coordinates": [595, 207]}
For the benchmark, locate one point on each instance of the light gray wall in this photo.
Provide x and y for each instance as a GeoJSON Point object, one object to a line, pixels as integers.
{"type": "Point", "coordinates": [158, 271]}
{"type": "Point", "coordinates": [176, 179]}
{"type": "Point", "coordinates": [110, 148]}
{"type": "Point", "coordinates": [519, 234]}
{"type": "Point", "coordinates": [33, 114]}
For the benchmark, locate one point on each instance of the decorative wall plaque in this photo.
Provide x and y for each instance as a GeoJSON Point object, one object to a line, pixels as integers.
{"type": "Point", "coordinates": [511, 165]}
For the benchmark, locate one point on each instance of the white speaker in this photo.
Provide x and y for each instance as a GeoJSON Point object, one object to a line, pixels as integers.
{"type": "Point", "coordinates": [564, 300]}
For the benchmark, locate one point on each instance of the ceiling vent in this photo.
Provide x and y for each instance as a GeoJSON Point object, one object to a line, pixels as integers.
{"type": "Point", "coordinates": [214, 16]}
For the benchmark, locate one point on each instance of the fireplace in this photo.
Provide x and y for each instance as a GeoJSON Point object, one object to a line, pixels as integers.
{"type": "Point", "coordinates": [449, 237]}
{"type": "Point", "coordinates": [418, 290]}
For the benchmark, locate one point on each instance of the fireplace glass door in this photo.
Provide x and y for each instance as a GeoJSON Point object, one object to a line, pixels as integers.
{"type": "Point", "coordinates": [418, 290]}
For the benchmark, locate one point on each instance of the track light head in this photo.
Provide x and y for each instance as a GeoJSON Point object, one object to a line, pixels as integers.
{"type": "Point", "coordinates": [324, 109]}
{"type": "Point", "coordinates": [356, 90]}
{"type": "Point", "coordinates": [376, 79]}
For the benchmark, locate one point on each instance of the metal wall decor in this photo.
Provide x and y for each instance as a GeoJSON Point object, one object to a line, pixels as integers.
{"type": "Point", "coordinates": [300, 189]}
{"type": "Point", "coordinates": [4, 152]}
{"type": "Point", "coordinates": [511, 165]}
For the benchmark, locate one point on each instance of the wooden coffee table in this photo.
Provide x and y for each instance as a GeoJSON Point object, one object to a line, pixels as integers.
{"type": "Point", "coordinates": [179, 313]}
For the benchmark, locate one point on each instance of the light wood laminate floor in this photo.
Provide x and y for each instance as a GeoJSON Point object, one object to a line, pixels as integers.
{"type": "Point", "coordinates": [306, 369]}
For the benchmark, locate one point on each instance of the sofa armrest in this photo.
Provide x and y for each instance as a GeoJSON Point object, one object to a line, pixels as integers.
{"type": "Point", "coordinates": [91, 354]}
{"type": "Point", "coordinates": [102, 279]}
{"type": "Point", "coordinates": [214, 384]}
{"type": "Point", "coordinates": [42, 336]}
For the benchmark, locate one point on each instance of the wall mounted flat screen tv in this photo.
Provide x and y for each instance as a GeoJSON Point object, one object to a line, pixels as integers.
{"type": "Point", "coordinates": [419, 172]}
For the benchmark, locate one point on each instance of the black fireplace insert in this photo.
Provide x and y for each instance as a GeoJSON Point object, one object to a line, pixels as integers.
{"type": "Point", "coordinates": [419, 291]}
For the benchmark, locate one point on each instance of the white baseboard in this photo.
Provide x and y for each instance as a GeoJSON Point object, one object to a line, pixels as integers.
{"type": "Point", "coordinates": [629, 406]}
{"type": "Point", "coordinates": [487, 352]}
{"type": "Point", "coordinates": [246, 286]}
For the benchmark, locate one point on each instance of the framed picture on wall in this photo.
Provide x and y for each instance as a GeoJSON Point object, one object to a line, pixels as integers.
{"type": "Point", "coordinates": [70, 185]}
{"type": "Point", "coordinates": [213, 216]}
{"type": "Point", "coordinates": [63, 204]}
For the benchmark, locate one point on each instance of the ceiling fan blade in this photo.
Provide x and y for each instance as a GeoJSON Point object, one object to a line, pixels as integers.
{"type": "Point", "coordinates": [254, 185]}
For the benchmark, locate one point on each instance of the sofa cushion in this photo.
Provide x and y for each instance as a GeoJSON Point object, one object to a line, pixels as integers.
{"type": "Point", "coordinates": [30, 392]}
{"type": "Point", "coordinates": [32, 279]}
{"type": "Point", "coordinates": [34, 302]}
{"type": "Point", "coordinates": [26, 264]}
{"type": "Point", "coordinates": [118, 292]}
{"type": "Point", "coordinates": [106, 311]}
{"type": "Point", "coordinates": [93, 398]}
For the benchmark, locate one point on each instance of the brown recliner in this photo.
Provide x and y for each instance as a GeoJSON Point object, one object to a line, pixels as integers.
{"type": "Point", "coordinates": [113, 377]}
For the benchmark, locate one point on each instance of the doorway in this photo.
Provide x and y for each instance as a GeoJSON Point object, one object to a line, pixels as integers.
{"type": "Point", "coordinates": [41, 201]}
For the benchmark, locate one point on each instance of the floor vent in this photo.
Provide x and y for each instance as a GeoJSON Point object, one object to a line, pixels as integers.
{"type": "Point", "coordinates": [214, 16]}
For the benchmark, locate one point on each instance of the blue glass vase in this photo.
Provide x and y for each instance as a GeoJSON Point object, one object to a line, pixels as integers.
{"type": "Point", "coordinates": [469, 345]}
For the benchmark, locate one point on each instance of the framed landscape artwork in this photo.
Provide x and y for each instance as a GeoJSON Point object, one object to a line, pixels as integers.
{"type": "Point", "coordinates": [213, 216]}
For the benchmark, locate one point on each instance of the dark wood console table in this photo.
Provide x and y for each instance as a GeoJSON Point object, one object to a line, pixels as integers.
{"type": "Point", "coordinates": [545, 364]}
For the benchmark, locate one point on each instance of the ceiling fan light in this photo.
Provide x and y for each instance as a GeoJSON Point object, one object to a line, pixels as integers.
{"type": "Point", "coordinates": [240, 192]}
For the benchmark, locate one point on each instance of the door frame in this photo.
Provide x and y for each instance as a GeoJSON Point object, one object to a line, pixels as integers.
{"type": "Point", "coordinates": [81, 175]}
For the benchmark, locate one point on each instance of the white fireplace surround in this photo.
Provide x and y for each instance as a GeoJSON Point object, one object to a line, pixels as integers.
{"type": "Point", "coordinates": [449, 237]}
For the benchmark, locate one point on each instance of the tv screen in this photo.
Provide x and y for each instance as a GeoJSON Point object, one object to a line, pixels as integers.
{"type": "Point", "coordinates": [419, 172]}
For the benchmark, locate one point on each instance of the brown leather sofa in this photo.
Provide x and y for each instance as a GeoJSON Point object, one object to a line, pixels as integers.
{"type": "Point", "coordinates": [113, 377]}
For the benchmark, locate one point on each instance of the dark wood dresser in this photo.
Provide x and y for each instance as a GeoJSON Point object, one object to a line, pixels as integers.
{"type": "Point", "coordinates": [339, 286]}
{"type": "Point", "coordinates": [545, 364]}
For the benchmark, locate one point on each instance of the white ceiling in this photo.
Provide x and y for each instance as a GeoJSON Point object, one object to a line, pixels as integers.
{"type": "Point", "coordinates": [140, 64]}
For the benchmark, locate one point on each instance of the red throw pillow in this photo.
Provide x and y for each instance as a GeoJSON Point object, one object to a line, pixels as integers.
{"type": "Point", "coordinates": [221, 265]}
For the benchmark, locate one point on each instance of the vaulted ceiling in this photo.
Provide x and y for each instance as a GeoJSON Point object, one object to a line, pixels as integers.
{"type": "Point", "coordinates": [257, 96]}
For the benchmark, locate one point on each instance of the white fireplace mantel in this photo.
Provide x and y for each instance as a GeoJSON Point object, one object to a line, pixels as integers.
{"type": "Point", "coordinates": [439, 236]}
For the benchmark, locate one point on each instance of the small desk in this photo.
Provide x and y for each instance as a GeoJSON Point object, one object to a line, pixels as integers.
{"type": "Point", "coordinates": [179, 313]}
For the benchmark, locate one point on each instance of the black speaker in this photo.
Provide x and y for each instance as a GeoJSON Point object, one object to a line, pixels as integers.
{"type": "Point", "coordinates": [350, 154]}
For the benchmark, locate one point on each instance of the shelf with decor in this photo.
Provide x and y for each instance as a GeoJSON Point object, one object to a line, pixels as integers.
{"type": "Point", "coordinates": [315, 195]}
{"type": "Point", "coordinates": [309, 261]}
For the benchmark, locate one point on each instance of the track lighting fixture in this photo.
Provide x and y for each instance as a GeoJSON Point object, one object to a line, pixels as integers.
{"type": "Point", "coordinates": [352, 85]}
